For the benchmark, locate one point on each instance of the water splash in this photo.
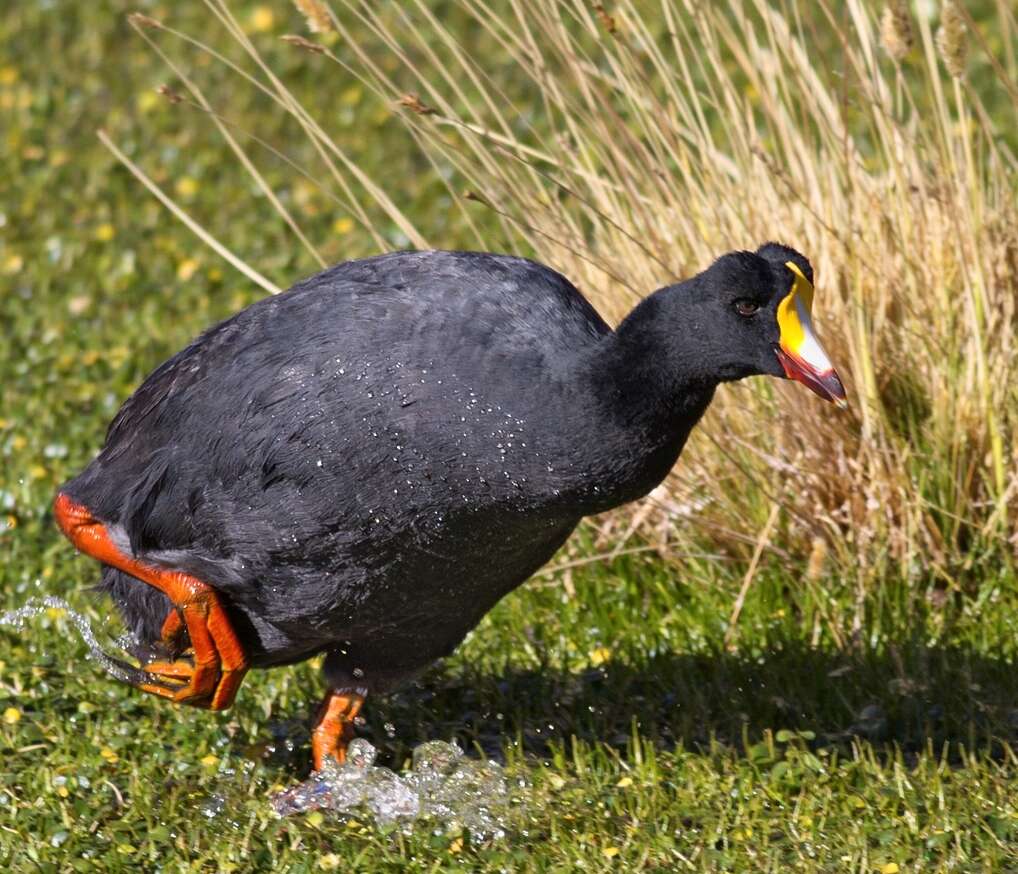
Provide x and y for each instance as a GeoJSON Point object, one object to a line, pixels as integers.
{"type": "Point", "coordinates": [18, 619]}
{"type": "Point", "coordinates": [442, 784]}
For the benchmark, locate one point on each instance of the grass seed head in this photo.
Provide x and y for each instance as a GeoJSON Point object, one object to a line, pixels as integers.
{"type": "Point", "coordinates": [171, 95]}
{"type": "Point", "coordinates": [139, 19]}
{"type": "Point", "coordinates": [316, 14]}
{"type": "Point", "coordinates": [414, 103]}
{"type": "Point", "coordinates": [303, 43]}
{"type": "Point", "coordinates": [896, 32]}
{"type": "Point", "coordinates": [952, 39]}
{"type": "Point", "coordinates": [607, 20]}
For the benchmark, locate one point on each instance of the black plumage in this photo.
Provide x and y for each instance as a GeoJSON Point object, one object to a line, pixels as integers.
{"type": "Point", "coordinates": [365, 464]}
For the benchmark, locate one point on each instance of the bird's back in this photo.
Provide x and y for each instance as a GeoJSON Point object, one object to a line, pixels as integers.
{"type": "Point", "coordinates": [494, 318]}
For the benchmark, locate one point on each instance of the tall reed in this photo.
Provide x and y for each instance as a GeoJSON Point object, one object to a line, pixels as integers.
{"type": "Point", "coordinates": [629, 143]}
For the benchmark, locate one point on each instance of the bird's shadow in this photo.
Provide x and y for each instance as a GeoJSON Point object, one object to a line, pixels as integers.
{"type": "Point", "coordinates": [906, 699]}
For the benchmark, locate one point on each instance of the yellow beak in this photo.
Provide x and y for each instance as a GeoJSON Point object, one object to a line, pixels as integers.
{"type": "Point", "coordinates": [799, 350]}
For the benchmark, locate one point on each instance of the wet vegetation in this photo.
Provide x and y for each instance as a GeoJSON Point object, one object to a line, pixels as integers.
{"type": "Point", "coordinates": [799, 653]}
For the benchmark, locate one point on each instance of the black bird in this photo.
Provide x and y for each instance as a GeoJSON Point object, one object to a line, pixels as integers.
{"type": "Point", "coordinates": [364, 465]}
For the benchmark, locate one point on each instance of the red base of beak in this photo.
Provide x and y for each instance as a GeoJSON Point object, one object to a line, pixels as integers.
{"type": "Point", "coordinates": [825, 384]}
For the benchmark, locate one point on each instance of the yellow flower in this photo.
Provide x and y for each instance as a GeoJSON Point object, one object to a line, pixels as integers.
{"type": "Point", "coordinates": [12, 715]}
{"type": "Point", "coordinates": [329, 862]}
{"type": "Point", "coordinates": [186, 269]}
{"type": "Point", "coordinates": [148, 100]}
{"type": "Point", "coordinates": [18, 442]}
{"type": "Point", "coordinates": [8, 75]}
{"type": "Point", "coordinates": [187, 186]}
{"type": "Point", "coordinates": [105, 232]}
{"type": "Point", "coordinates": [262, 19]}
{"type": "Point", "coordinates": [37, 471]}
{"type": "Point", "coordinates": [610, 852]}
{"type": "Point", "coordinates": [600, 655]}
{"type": "Point", "coordinates": [456, 846]}
{"type": "Point", "coordinates": [13, 264]}
{"type": "Point", "coordinates": [624, 782]}
{"type": "Point", "coordinates": [210, 761]}
{"type": "Point", "coordinates": [342, 225]}
{"type": "Point", "coordinates": [890, 868]}
{"type": "Point", "coordinates": [109, 755]}
{"type": "Point", "coordinates": [315, 818]}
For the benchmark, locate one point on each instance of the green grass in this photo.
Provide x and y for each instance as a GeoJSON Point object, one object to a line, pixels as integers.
{"type": "Point", "coordinates": [645, 742]}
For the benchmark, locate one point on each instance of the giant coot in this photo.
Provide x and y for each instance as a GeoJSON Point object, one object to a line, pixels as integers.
{"type": "Point", "coordinates": [363, 465]}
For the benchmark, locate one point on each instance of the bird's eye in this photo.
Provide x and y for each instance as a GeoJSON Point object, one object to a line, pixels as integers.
{"type": "Point", "coordinates": [746, 307]}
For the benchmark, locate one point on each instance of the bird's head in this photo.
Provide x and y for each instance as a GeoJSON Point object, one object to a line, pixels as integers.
{"type": "Point", "coordinates": [752, 312]}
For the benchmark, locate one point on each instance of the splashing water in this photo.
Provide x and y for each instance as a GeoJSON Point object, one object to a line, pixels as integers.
{"type": "Point", "coordinates": [18, 619]}
{"type": "Point", "coordinates": [442, 784]}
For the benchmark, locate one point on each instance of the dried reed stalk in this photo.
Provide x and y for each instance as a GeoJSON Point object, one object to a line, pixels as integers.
{"type": "Point", "coordinates": [668, 133]}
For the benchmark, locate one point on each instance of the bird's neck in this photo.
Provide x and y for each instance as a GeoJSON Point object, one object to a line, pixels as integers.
{"type": "Point", "coordinates": [652, 370]}
{"type": "Point", "coordinates": [651, 384]}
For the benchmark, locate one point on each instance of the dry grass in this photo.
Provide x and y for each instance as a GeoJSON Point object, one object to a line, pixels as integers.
{"type": "Point", "coordinates": [656, 136]}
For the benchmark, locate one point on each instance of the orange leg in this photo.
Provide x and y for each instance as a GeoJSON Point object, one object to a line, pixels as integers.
{"type": "Point", "coordinates": [219, 659]}
{"type": "Point", "coordinates": [174, 643]}
{"type": "Point", "coordinates": [334, 726]}
{"type": "Point", "coordinates": [172, 632]}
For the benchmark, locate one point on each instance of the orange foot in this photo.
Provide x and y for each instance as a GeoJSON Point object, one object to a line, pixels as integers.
{"type": "Point", "coordinates": [212, 677]}
{"type": "Point", "coordinates": [334, 726]}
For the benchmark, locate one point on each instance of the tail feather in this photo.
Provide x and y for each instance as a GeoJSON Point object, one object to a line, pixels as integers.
{"type": "Point", "coordinates": [143, 607]}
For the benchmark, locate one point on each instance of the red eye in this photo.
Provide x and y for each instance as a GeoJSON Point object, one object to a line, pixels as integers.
{"type": "Point", "coordinates": [746, 307]}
